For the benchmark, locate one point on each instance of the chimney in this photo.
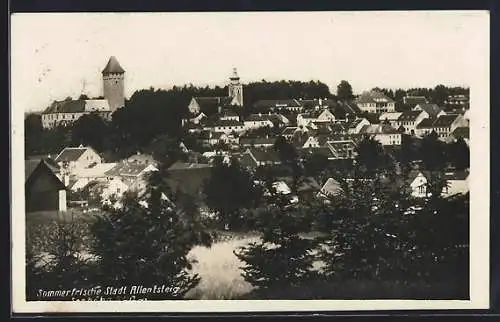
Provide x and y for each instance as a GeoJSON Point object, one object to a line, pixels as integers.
{"type": "Point", "coordinates": [260, 114]}
{"type": "Point", "coordinates": [219, 108]}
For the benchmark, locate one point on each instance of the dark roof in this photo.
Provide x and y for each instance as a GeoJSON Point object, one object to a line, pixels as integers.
{"type": "Point", "coordinates": [66, 106]}
{"type": "Point", "coordinates": [257, 141]}
{"type": "Point", "coordinates": [113, 67]}
{"type": "Point", "coordinates": [258, 117]}
{"type": "Point", "coordinates": [372, 97]}
{"type": "Point", "coordinates": [34, 168]}
{"type": "Point", "coordinates": [457, 175]}
{"type": "Point", "coordinates": [354, 123]}
{"type": "Point", "coordinates": [378, 129]}
{"type": "Point", "coordinates": [325, 151]}
{"type": "Point", "coordinates": [409, 116]}
{"type": "Point", "coordinates": [445, 120]}
{"type": "Point", "coordinates": [70, 154]}
{"type": "Point", "coordinates": [265, 155]}
{"type": "Point", "coordinates": [425, 124]}
{"type": "Point", "coordinates": [462, 131]}
{"type": "Point", "coordinates": [277, 103]}
{"type": "Point", "coordinates": [188, 178]}
{"type": "Point", "coordinates": [211, 103]}
{"type": "Point", "coordinates": [432, 109]}
{"type": "Point", "coordinates": [219, 123]}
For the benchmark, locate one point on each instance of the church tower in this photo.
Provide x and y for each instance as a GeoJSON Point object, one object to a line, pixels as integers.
{"type": "Point", "coordinates": [236, 88]}
{"type": "Point", "coordinates": [113, 78]}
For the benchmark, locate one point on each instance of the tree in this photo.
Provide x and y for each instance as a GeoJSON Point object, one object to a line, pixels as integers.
{"type": "Point", "coordinates": [146, 242]}
{"type": "Point", "coordinates": [229, 189]}
{"type": "Point", "coordinates": [439, 95]}
{"type": "Point", "coordinates": [407, 152]}
{"type": "Point", "coordinates": [90, 129]}
{"type": "Point", "coordinates": [459, 154]}
{"type": "Point", "coordinates": [432, 152]}
{"type": "Point", "coordinates": [371, 158]}
{"type": "Point", "coordinates": [281, 258]}
{"type": "Point", "coordinates": [315, 165]}
{"type": "Point", "coordinates": [344, 91]}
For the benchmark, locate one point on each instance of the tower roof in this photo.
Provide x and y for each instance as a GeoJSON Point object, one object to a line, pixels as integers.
{"type": "Point", "coordinates": [113, 66]}
{"type": "Point", "coordinates": [234, 75]}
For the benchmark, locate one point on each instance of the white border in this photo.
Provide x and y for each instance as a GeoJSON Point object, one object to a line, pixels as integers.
{"type": "Point", "coordinates": [479, 228]}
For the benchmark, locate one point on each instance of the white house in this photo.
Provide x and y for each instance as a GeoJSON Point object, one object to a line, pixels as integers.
{"type": "Point", "coordinates": [410, 119]}
{"type": "Point", "coordinates": [226, 126]}
{"type": "Point", "coordinates": [255, 121]}
{"type": "Point", "coordinates": [95, 173]}
{"type": "Point", "coordinates": [446, 124]}
{"type": "Point", "coordinates": [458, 183]}
{"type": "Point", "coordinates": [72, 160]}
{"type": "Point", "coordinates": [375, 102]}
{"type": "Point", "coordinates": [68, 111]}
{"type": "Point", "coordinates": [331, 188]}
{"type": "Point", "coordinates": [418, 184]}
{"type": "Point", "coordinates": [355, 126]}
{"type": "Point", "coordinates": [321, 116]}
{"type": "Point", "coordinates": [384, 133]}
{"type": "Point", "coordinates": [391, 117]}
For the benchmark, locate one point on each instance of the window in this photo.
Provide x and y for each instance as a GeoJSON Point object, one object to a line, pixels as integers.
{"type": "Point", "coordinates": [421, 189]}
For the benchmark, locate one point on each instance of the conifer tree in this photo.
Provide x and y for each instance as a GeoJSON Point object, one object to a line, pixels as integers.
{"type": "Point", "coordinates": [282, 258]}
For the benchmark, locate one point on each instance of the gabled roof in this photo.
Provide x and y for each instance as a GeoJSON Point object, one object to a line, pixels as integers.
{"type": "Point", "coordinates": [30, 166]}
{"type": "Point", "coordinates": [34, 168]}
{"type": "Point", "coordinates": [265, 155]}
{"type": "Point", "coordinates": [425, 124]}
{"type": "Point", "coordinates": [71, 154]}
{"type": "Point", "coordinates": [258, 118]}
{"type": "Point", "coordinates": [277, 103]}
{"type": "Point", "coordinates": [77, 106]}
{"type": "Point", "coordinates": [289, 130]}
{"type": "Point", "coordinates": [187, 166]}
{"type": "Point", "coordinates": [113, 67]}
{"type": "Point", "coordinates": [462, 131]}
{"type": "Point", "coordinates": [99, 170]}
{"type": "Point", "coordinates": [378, 129]}
{"type": "Point", "coordinates": [432, 109]}
{"type": "Point", "coordinates": [219, 123]}
{"type": "Point", "coordinates": [332, 187]}
{"type": "Point", "coordinates": [128, 169]}
{"type": "Point", "coordinates": [341, 146]}
{"type": "Point", "coordinates": [209, 103]}
{"type": "Point", "coordinates": [390, 116]}
{"type": "Point", "coordinates": [445, 120]}
{"type": "Point", "coordinates": [457, 175]}
{"type": "Point", "coordinates": [414, 100]}
{"type": "Point", "coordinates": [409, 116]}
{"type": "Point", "coordinates": [257, 141]}
{"type": "Point", "coordinates": [373, 97]}
{"type": "Point", "coordinates": [355, 123]}
{"type": "Point", "coordinates": [322, 150]}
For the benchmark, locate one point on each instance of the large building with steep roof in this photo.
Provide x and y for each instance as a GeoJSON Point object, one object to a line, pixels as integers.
{"type": "Point", "coordinates": [67, 111]}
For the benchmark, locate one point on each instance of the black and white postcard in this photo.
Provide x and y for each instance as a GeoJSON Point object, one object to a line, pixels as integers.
{"type": "Point", "coordinates": [250, 161]}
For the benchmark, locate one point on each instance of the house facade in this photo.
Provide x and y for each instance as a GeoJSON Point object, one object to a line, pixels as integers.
{"type": "Point", "coordinates": [375, 102]}
{"type": "Point", "coordinates": [409, 120]}
{"type": "Point", "coordinates": [73, 159]}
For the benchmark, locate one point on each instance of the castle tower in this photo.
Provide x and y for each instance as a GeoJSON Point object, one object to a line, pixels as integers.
{"type": "Point", "coordinates": [113, 79]}
{"type": "Point", "coordinates": [236, 88]}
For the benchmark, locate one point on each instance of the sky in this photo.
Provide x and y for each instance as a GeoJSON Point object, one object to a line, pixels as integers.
{"type": "Point", "coordinates": [56, 55]}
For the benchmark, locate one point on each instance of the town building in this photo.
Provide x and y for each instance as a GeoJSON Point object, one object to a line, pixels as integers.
{"type": "Point", "coordinates": [44, 190]}
{"type": "Point", "coordinates": [446, 124]}
{"type": "Point", "coordinates": [291, 105]}
{"type": "Point", "coordinates": [385, 134]}
{"type": "Point", "coordinates": [68, 111]}
{"type": "Point", "coordinates": [213, 105]}
{"type": "Point", "coordinates": [412, 101]}
{"type": "Point", "coordinates": [408, 120]}
{"type": "Point", "coordinates": [433, 110]}
{"type": "Point", "coordinates": [375, 102]}
{"type": "Point", "coordinates": [73, 159]}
